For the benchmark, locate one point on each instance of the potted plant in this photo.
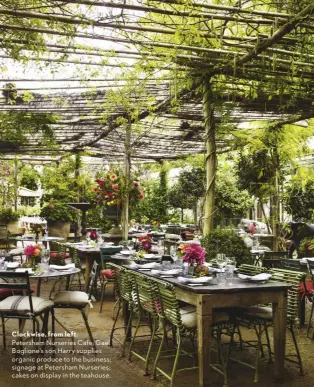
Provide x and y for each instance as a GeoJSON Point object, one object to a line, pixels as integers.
{"type": "Point", "coordinates": [59, 217]}
{"type": "Point", "coordinates": [10, 218]}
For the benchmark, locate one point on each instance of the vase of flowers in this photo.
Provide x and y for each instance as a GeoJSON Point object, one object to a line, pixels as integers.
{"type": "Point", "coordinates": [33, 254]}
{"type": "Point", "coordinates": [193, 254]}
{"type": "Point", "coordinates": [145, 242]}
{"type": "Point", "coordinates": [36, 229]}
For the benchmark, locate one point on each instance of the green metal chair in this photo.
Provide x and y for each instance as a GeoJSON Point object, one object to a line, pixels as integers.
{"type": "Point", "coordinates": [125, 300]}
{"type": "Point", "coordinates": [77, 280]}
{"type": "Point", "coordinates": [261, 317]}
{"type": "Point", "coordinates": [273, 259]}
{"type": "Point", "coordinates": [184, 322]}
{"type": "Point", "coordinates": [144, 295]}
{"type": "Point", "coordinates": [106, 274]}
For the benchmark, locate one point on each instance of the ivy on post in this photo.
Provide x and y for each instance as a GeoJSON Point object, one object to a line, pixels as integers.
{"type": "Point", "coordinates": [127, 177]}
{"type": "Point", "coordinates": [211, 157]}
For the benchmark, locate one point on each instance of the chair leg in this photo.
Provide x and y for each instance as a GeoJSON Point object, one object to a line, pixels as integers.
{"type": "Point", "coordinates": [3, 334]}
{"type": "Point", "coordinates": [153, 332]}
{"type": "Point", "coordinates": [310, 320]}
{"type": "Point", "coordinates": [103, 288]}
{"type": "Point", "coordinates": [258, 352]}
{"type": "Point", "coordinates": [176, 360]}
{"type": "Point", "coordinates": [297, 349]}
{"type": "Point", "coordinates": [88, 328]}
{"type": "Point", "coordinates": [270, 360]}
{"type": "Point", "coordinates": [159, 350]}
{"type": "Point", "coordinates": [114, 324]}
{"type": "Point", "coordinates": [133, 338]}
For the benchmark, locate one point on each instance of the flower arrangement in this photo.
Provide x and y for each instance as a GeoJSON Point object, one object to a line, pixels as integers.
{"type": "Point", "coordinates": [31, 252]}
{"type": "Point", "coordinates": [36, 229]}
{"type": "Point", "coordinates": [144, 219]}
{"type": "Point", "coordinates": [252, 228]}
{"type": "Point", "coordinates": [110, 189]}
{"type": "Point", "coordinates": [146, 242]}
{"type": "Point", "coordinates": [93, 235]}
{"type": "Point", "coordinates": [192, 253]}
{"type": "Point", "coordinates": [155, 224]}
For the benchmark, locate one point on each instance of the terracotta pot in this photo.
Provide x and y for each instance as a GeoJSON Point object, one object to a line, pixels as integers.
{"type": "Point", "coordinates": [59, 228]}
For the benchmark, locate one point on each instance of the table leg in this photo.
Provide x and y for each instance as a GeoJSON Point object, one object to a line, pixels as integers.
{"type": "Point", "coordinates": [38, 287]}
{"type": "Point", "coordinates": [280, 326]}
{"type": "Point", "coordinates": [88, 267]}
{"type": "Point", "coordinates": [204, 322]}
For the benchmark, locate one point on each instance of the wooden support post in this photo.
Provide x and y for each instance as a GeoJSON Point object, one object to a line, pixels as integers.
{"type": "Point", "coordinates": [15, 183]}
{"type": "Point", "coordinates": [127, 173]}
{"type": "Point", "coordinates": [211, 157]}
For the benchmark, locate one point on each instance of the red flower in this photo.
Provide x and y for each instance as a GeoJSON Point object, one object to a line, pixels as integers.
{"type": "Point", "coordinates": [115, 187]}
{"type": "Point", "coordinates": [141, 195]}
{"type": "Point", "coordinates": [51, 206]}
{"type": "Point", "coordinates": [136, 185]}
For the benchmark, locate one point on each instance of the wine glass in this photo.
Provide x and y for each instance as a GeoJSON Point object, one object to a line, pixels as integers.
{"type": "Point", "coordinates": [221, 260]}
{"type": "Point", "coordinates": [130, 244]}
{"type": "Point", "coordinates": [45, 257]}
{"type": "Point", "coordinates": [2, 258]}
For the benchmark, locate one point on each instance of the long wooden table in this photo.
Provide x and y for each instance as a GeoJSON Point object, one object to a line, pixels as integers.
{"type": "Point", "coordinates": [214, 296]}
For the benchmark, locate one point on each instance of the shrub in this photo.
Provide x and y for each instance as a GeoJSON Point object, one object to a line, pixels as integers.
{"type": "Point", "coordinates": [226, 241]}
{"type": "Point", "coordinates": [58, 211]}
{"type": "Point", "coordinates": [8, 215]}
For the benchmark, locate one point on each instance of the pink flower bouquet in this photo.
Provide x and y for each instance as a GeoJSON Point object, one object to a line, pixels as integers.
{"type": "Point", "coordinates": [193, 253]}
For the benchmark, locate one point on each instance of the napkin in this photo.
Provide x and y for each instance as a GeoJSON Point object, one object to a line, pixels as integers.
{"type": "Point", "coordinates": [199, 280]}
{"type": "Point", "coordinates": [24, 269]}
{"type": "Point", "coordinates": [167, 272]}
{"type": "Point", "coordinates": [65, 267]}
{"type": "Point", "coordinates": [258, 277]}
{"type": "Point", "coordinates": [13, 265]}
{"type": "Point", "coordinates": [144, 266]}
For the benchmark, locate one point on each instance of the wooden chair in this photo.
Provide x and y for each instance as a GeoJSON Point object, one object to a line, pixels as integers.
{"type": "Point", "coordinates": [23, 307]}
{"type": "Point", "coordinates": [70, 299]}
{"type": "Point", "coordinates": [106, 274]}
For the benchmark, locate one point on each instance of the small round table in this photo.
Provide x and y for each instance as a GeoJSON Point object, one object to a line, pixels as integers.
{"type": "Point", "coordinates": [52, 274]}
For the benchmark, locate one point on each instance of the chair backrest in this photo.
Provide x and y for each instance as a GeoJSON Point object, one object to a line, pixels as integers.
{"type": "Point", "coordinates": [291, 264]}
{"type": "Point", "coordinates": [106, 253]}
{"type": "Point", "coordinates": [122, 282]}
{"type": "Point", "coordinates": [92, 279]}
{"type": "Point", "coordinates": [20, 283]}
{"type": "Point", "coordinates": [167, 305]}
{"type": "Point", "coordinates": [274, 258]}
{"type": "Point", "coordinates": [75, 257]}
{"type": "Point", "coordinates": [251, 269]}
{"type": "Point", "coordinates": [144, 292]}
{"type": "Point", "coordinates": [295, 279]}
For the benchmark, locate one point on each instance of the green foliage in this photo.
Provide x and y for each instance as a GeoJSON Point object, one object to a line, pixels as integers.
{"type": "Point", "coordinates": [55, 210]}
{"type": "Point", "coordinates": [8, 215]}
{"type": "Point", "coordinates": [28, 177]}
{"type": "Point", "coordinates": [306, 247]}
{"type": "Point", "coordinates": [226, 241]}
{"type": "Point", "coordinates": [96, 218]}
{"type": "Point", "coordinates": [155, 203]}
{"type": "Point", "coordinates": [14, 126]}
{"type": "Point", "coordinates": [231, 202]}
{"type": "Point", "coordinates": [299, 199]}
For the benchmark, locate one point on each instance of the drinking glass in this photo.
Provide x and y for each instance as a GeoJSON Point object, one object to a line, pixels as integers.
{"type": "Point", "coordinates": [45, 258]}
{"type": "Point", "coordinates": [221, 260]}
{"type": "Point", "coordinates": [130, 245]}
{"type": "Point", "coordinates": [221, 278]}
{"type": "Point", "coordinates": [230, 264]}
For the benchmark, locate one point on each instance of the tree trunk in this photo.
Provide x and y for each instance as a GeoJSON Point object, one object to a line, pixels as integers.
{"type": "Point", "coordinates": [195, 214]}
{"type": "Point", "coordinates": [182, 215]}
{"type": "Point", "coordinates": [211, 158]}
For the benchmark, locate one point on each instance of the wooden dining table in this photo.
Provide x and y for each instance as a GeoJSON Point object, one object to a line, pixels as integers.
{"type": "Point", "coordinates": [240, 294]}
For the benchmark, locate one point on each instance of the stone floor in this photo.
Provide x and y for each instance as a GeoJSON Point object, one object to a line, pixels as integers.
{"type": "Point", "coordinates": [119, 371]}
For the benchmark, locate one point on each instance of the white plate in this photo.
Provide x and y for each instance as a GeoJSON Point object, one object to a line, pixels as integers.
{"type": "Point", "coordinates": [125, 252]}
{"type": "Point", "coordinates": [24, 269]}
